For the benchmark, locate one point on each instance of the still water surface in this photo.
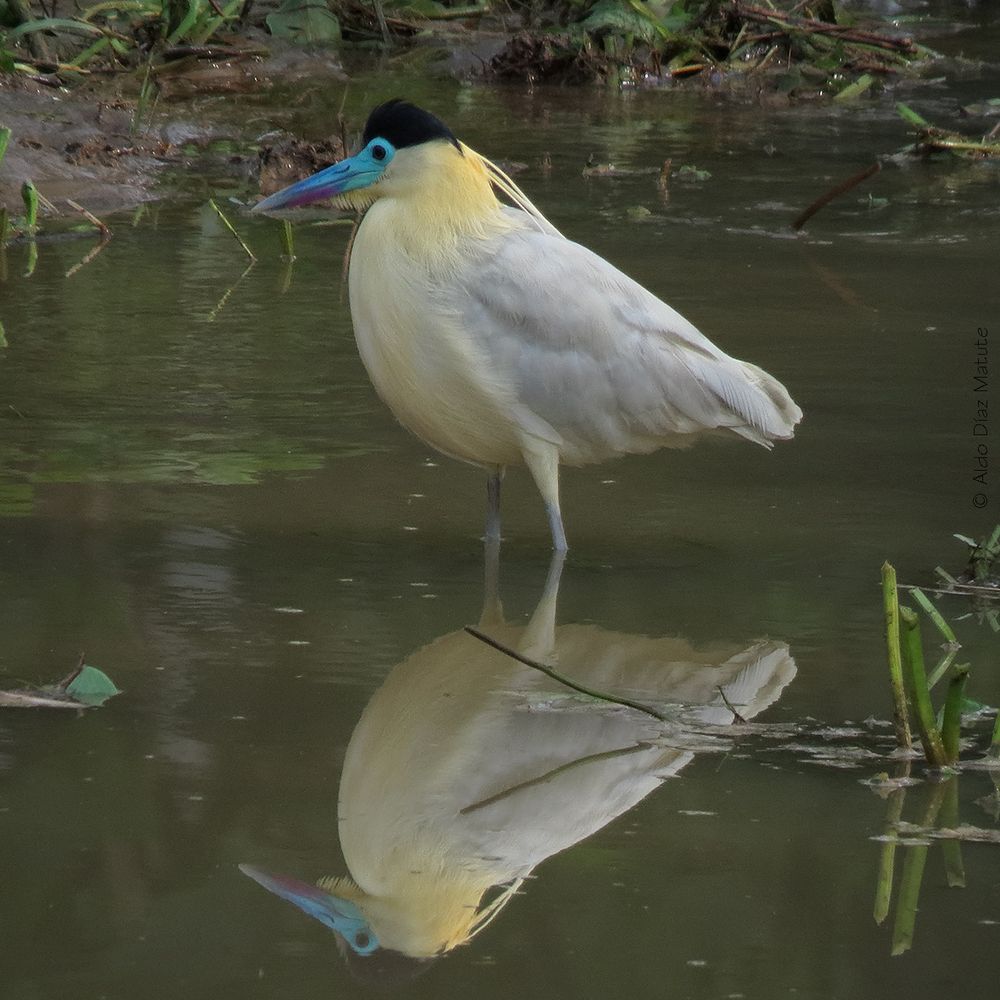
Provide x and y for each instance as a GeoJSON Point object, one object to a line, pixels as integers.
{"type": "Point", "coordinates": [200, 489]}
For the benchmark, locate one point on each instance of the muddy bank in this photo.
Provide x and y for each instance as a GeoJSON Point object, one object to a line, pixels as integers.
{"type": "Point", "coordinates": [99, 145]}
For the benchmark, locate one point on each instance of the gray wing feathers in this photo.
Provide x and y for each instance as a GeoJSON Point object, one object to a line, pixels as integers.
{"type": "Point", "coordinates": [602, 363]}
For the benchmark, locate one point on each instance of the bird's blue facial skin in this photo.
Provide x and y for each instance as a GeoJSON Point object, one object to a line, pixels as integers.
{"type": "Point", "coordinates": [355, 172]}
{"type": "Point", "coordinates": [340, 915]}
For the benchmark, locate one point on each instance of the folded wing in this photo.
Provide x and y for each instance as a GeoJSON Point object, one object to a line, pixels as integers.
{"type": "Point", "coordinates": [599, 365]}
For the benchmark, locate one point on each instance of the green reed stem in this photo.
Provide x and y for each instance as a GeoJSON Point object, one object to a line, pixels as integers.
{"type": "Point", "coordinates": [913, 652]}
{"type": "Point", "coordinates": [951, 724]}
{"type": "Point", "coordinates": [890, 601]}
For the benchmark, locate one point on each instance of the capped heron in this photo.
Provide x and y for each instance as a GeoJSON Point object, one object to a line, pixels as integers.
{"type": "Point", "coordinates": [497, 340]}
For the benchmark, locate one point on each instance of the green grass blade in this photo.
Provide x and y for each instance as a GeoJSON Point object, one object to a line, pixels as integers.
{"type": "Point", "coordinates": [55, 24]}
{"type": "Point", "coordinates": [232, 229]}
{"type": "Point", "coordinates": [288, 239]}
{"type": "Point", "coordinates": [5, 134]}
{"type": "Point", "coordinates": [910, 116]}
{"type": "Point", "coordinates": [935, 616]}
{"type": "Point", "coordinates": [941, 669]}
{"type": "Point", "coordinates": [855, 90]}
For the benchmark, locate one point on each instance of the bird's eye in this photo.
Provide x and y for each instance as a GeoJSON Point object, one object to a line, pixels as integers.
{"type": "Point", "coordinates": [361, 939]}
{"type": "Point", "coordinates": [378, 152]}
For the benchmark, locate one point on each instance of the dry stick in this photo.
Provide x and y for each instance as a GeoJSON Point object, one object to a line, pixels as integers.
{"type": "Point", "coordinates": [24, 699]}
{"type": "Point", "coordinates": [232, 229]}
{"type": "Point", "coordinates": [835, 192]}
{"type": "Point", "coordinates": [73, 674]}
{"type": "Point", "coordinates": [914, 654]}
{"type": "Point", "coordinates": [808, 24]}
{"type": "Point", "coordinates": [900, 716]}
{"type": "Point", "coordinates": [549, 672]}
{"type": "Point", "coordinates": [92, 219]}
{"type": "Point", "coordinates": [88, 257]}
{"type": "Point", "coordinates": [729, 705]}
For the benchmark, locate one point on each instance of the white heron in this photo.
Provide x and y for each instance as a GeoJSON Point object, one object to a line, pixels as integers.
{"type": "Point", "coordinates": [496, 340]}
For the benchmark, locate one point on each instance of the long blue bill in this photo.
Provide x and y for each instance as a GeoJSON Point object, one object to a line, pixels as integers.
{"type": "Point", "coordinates": [347, 175]}
{"type": "Point", "coordinates": [340, 915]}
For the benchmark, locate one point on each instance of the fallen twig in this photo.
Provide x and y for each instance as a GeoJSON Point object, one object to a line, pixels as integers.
{"type": "Point", "coordinates": [835, 192]}
{"type": "Point", "coordinates": [549, 672]}
{"type": "Point", "coordinates": [232, 229]}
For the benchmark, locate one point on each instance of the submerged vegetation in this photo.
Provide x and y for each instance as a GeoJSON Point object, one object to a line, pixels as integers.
{"type": "Point", "coordinates": [911, 683]}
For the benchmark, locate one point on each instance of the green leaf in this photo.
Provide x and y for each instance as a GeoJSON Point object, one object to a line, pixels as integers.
{"type": "Point", "coordinates": [305, 22]}
{"type": "Point", "coordinates": [92, 686]}
{"type": "Point", "coordinates": [909, 115]}
{"type": "Point", "coordinates": [855, 90]}
{"type": "Point", "coordinates": [612, 17]}
{"type": "Point", "coordinates": [55, 24]}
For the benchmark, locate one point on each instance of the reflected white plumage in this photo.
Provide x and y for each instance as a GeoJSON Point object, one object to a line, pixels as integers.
{"type": "Point", "coordinates": [498, 341]}
{"type": "Point", "coordinates": [467, 770]}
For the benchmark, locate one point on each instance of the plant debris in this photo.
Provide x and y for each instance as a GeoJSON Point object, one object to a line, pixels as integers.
{"type": "Point", "coordinates": [800, 49]}
{"type": "Point", "coordinates": [931, 139]}
{"type": "Point", "coordinates": [84, 687]}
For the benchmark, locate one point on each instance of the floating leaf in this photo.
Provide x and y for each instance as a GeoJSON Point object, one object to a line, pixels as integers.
{"type": "Point", "coordinates": [92, 686]}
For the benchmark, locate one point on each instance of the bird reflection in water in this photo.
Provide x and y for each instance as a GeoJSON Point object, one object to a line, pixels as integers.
{"type": "Point", "coordinates": [468, 769]}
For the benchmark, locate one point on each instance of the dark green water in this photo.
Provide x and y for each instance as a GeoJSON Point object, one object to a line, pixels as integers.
{"type": "Point", "coordinates": [176, 474]}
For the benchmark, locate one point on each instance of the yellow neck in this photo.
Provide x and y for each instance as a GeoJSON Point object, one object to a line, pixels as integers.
{"type": "Point", "coordinates": [435, 199]}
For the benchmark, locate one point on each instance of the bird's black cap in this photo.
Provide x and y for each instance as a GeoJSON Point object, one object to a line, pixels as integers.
{"type": "Point", "coordinates": [404, 124]}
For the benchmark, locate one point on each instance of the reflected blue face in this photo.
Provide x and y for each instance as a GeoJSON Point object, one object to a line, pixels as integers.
{"type": "Point", "coordinates": [340, 915]}
{"type": "Point", "coordinates": [352, 174]}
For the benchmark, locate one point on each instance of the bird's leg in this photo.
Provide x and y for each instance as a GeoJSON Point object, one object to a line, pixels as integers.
{"type": "Point", "coordinates": [559, 543]}
{"type": "Point", "coordinates": [493, 505]}
{"type": "Point", "coordinates": [492, 615]}
{"type": "Point", "coordinates": [542, 459]}
{"type": "Point", "coordinates": [539, 638]}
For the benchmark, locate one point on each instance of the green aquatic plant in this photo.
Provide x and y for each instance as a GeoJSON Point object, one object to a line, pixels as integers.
{"type": "Point", "coordinates": [910, 682]}
{"type": "Point", "coordinates": [984, 556]}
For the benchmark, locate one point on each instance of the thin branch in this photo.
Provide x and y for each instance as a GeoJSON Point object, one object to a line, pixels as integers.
{"type": "Point", "coordinates": [842, 188]}
{"type": "Point", "coordinates": [549, 672]}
